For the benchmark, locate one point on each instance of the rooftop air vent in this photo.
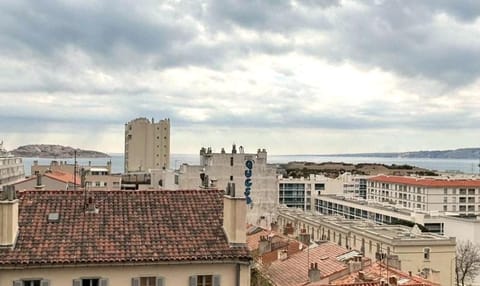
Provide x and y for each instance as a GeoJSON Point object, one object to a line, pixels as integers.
{"type": "Point", "coordinates": [53, 217]}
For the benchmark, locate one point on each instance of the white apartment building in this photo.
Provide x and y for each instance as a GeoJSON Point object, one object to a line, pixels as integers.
{"type": "Point", "coordinates": [249, 172]}
{"type": "Point", "coordinates": [298, 192]}
{"type": "Point", "coordinates": [147, 145]}
{"type": "Point", "coordinates": [11, 167]}
{"type": "Point", "coordinates": [460, 196]}
{"type": "Point", "coordinates": [354, 185]}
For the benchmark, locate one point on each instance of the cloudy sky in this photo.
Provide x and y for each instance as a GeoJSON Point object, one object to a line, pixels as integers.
{"type": "Point", "coordinates": [291, 76]}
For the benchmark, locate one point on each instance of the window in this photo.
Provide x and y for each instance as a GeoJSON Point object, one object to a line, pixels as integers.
{"type": "Point", "coordinates": [205, 280]}
{"type": "Point", "coordinates": [90, 282]}
{"type": "Point", "coordinates": [231, 161]}
{"type": "Point", "coordinates": [31, 282]}
{"type": "Point", "coordinates": [231, 178]}
{"type": "Point", "coordinates": [426, 253]}
{"type": "Point", "coordinates": [148, 281]}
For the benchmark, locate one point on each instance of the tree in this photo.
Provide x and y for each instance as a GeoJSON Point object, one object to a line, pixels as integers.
{"type": "Point", "coordinates": [467, 262]}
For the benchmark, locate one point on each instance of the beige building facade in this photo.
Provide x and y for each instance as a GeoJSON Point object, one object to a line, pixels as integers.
{"type": "Point", "coordinates": [147, 145]}
{"type": "Point", "coordinates": [90, 243]}
{"type": "Point", "coordinates": [427, 254]}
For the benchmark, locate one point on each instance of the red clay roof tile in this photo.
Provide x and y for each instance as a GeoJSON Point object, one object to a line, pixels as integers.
{"type": "Point", "coordinates": [130, 226]}
{"type": "Point", "coordinates": [427, 182]}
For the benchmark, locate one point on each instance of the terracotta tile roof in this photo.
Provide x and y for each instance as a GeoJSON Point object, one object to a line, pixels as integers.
{"type": "Point", "coordinates": [427, 182]}
{"type": "Point", "coordinates": [294, 270]}
{"type": "Point", "coordinates": [254, 239]}
{"type": "Point", "coordinates": [130, 226]}
{"type": "Point", "coordinates": [64, 177]}
{"type": "Point", "coordinates": [377, 271]}
{"type": "Point", "coordinates": [56, 175]}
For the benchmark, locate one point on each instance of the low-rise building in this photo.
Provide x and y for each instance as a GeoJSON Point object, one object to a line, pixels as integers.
{"type": "Point", "coordinates": [11, 167]}
{"type": "Point", "coordinates": [457, 195]}
{"type": "Point", "coordinates": [65, 167]}
{"type": "Point", "coordinates": [121, 238]}
{"type": "Point", "coordinates": [298, 192]}
{"type": "Point", "coordinates": [55, 180]}
{"type": "Point", "coordinates": [409, 249]}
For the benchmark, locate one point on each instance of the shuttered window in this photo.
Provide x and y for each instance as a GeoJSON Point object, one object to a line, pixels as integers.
{"type": "Point", "coordinates": [90, 282]}
{"type": "Point", "coordinates": [148, 281]}
{"type": "Point", "coordinates": [205, 280]}
{"type": "Point", "coordinates": [31, 282]}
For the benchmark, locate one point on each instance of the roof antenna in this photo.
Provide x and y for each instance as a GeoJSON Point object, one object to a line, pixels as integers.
{"type": "Point", "coordinates": [74, 170]}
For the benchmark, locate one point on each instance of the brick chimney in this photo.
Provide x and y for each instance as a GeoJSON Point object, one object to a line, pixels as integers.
{"type": "Point", "coordinates": [264, 245]}
{"type": "Point", "coordinates": [355, 264]}
{"type": "Point", "coordinates": [8, 217]}
{"type": "Point", "coordinates": [234, 217]}
{"type": "Point", "coordinates": [314, 273]}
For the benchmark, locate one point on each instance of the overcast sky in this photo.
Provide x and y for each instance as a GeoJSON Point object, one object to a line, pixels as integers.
{"type": "Point", "coordinates": [294, 77]}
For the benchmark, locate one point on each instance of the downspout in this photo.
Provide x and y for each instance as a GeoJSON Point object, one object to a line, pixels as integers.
{"type": "Point", "coordinates": [237, 276]}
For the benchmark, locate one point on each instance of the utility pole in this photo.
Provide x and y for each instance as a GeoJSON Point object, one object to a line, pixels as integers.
{"type": "Point", "coordinates": [74, 170]}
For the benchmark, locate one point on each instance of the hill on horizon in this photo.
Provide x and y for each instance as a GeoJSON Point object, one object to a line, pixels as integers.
{"type": "Point", "coordinates": [55, 151]}
{"type": "Point", "coordinates": [462, 153]}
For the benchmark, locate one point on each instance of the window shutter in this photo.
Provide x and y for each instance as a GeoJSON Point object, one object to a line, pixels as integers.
{"type": "Point", "coordinates": [77, 282]}
{"type": "Point", "coordinates": [104, 282]}
{"type": "Point", "coordinates": [135, 281]}
{"type": "Point", "coordinates": [17, 283]}
{"type": "Point", "coordinates": [193, 281]}
{"type": "Point", "coordinates": [216, 280]}
{"type": "Point", "coordinates": [45, 282]}
{"type": "Point", "coordinates": [160, 281]}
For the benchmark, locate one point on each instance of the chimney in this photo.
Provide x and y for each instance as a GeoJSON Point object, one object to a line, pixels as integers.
{"type": "Point", "coordinates": [392, 281]}
{"type": "Point", "coordinates": [355, 265]}
{"type": "Point", "coordinates": [8, 217]}
{"type": "Point", "coordinates": [39, 185]}
{"type": "Point", "coordinates": [304, 237]}
{"type": "Point", "coordinates": [264, 245]}
{"type": "Point", "coordinates": [314, 273]}
{"type": "Point", "coordinates": [289, 229]}
{"type": "Point", "coordinates": [90, 205]}
{"type": "Point", "coordinates": [234, 218]}
{"type": "Point", "coordinates": [282, 254]}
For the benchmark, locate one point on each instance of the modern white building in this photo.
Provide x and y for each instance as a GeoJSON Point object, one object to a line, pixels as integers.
{"type": "Point", "coordinates": [298, 192]}
{"type": "Point", "coordinates": [461, 196]}
{"type": "Point", "coordinates": [248, 172]}
{"type": "Point", "coordinates": [11, 167]}
{"type": "Point", "coordinates": [354, 185]}
{"type": "Point", "coordinates": [147, 145]}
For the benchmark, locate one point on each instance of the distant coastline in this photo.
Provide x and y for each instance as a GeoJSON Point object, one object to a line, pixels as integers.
{"type": "Point", "coordinates": [462, 153]}
{"type": "Point", "coordinates": [55, 151]}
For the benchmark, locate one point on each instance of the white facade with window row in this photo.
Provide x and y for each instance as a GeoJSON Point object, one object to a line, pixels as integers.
{"type": "Point", "coordinates": [461, 196]}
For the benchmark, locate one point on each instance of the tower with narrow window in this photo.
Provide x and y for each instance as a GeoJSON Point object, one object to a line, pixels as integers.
{"type": "Point", "coordinates": [147, 145]}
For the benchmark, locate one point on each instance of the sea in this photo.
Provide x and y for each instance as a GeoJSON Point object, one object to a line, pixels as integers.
{"type": "Point", "coordinates": [468, 166]}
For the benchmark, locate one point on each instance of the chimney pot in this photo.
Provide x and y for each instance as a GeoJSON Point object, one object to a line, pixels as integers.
{"type": "Point", "coordinates": [314, 273]}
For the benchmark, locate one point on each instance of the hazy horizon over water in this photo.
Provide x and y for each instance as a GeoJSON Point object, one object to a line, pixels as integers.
{"type": "Point", "coordinates": [469, 166]}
